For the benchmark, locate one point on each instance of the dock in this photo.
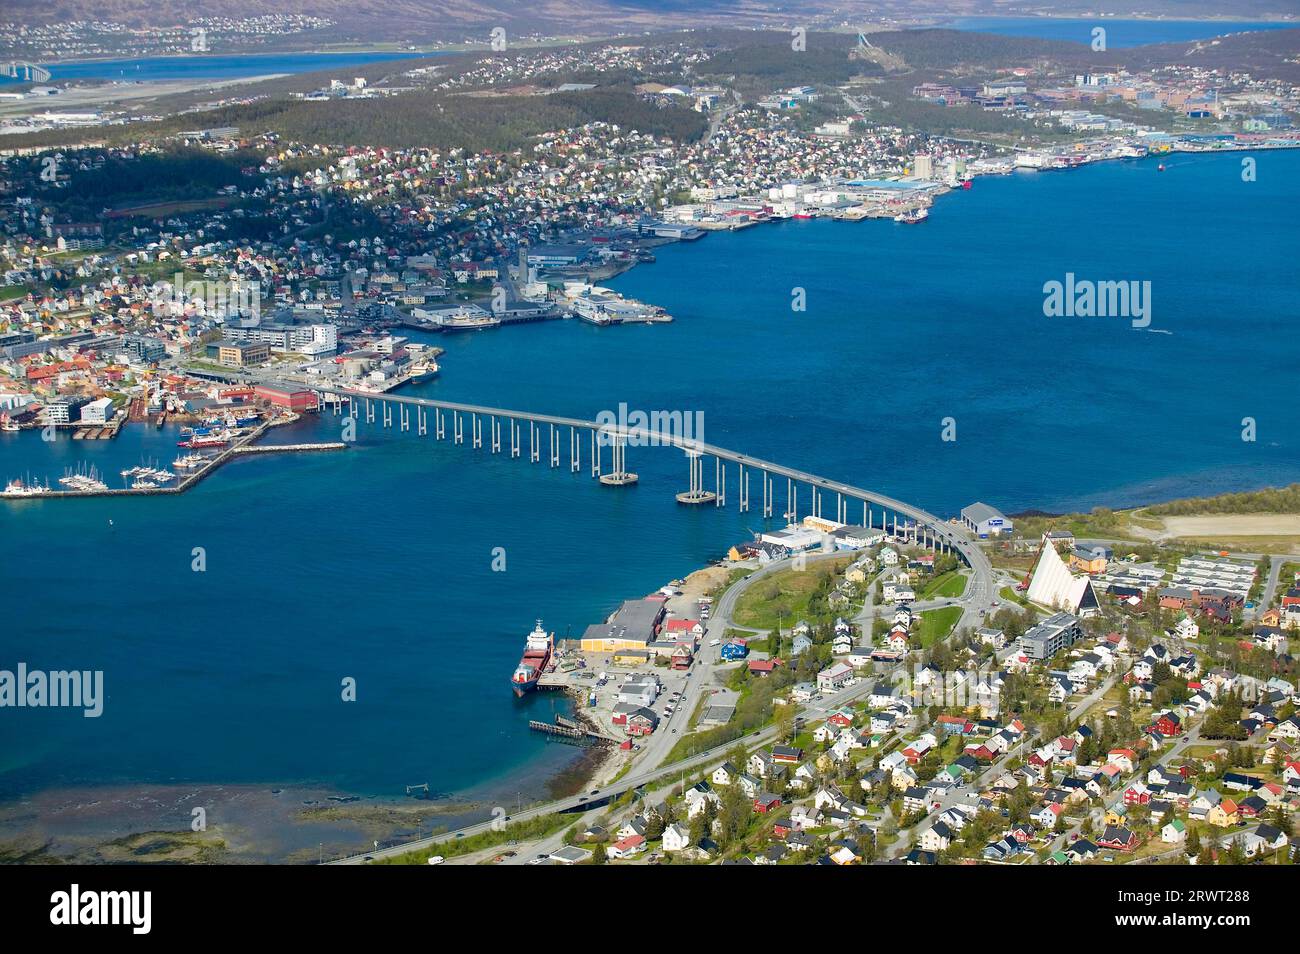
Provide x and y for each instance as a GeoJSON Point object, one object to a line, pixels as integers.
{"type": "Point", "coordinates": [243, 446]}
{"type": "Point", "coordinates": [567, 729]}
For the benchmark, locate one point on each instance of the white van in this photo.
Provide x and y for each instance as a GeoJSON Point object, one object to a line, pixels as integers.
{"type": "Point", "coordinates": [436, 859]}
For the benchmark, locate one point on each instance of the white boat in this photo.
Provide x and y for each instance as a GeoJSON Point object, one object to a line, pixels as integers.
{"type": "Point", "coordinates": [16, 488]}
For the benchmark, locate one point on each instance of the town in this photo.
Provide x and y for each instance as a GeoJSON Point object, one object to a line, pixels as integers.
{"type": "Point", "coordinates": [838, 694]}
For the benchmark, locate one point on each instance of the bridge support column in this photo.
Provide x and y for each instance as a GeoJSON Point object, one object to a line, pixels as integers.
{"type": "Point", "coordinates": [439, 428]}
{"type": "Point", "coordinates": [619, 475]}
{"type": "Point", "coordinates": [720, 482]}
{"type": "Point", "coordinates": [595, 455]}
{"type": "Point", "coordinates": [555, 447]}
{"type": "Point", "coordinates": [575, 452]}
{"type": "Point", "coordinates": [534, 452]}
{"type": "Point", "coordinates": [388, 414]}
{"type": "Point", "coordinates": [421, 422]}
{"type": "Point", "coordinates": [742, 488]}
{"type": "Point", "coordinates": [841, 511]}
{"type": "Point", "coordinates": [476, 430]}
{"type": "Point", "coordinates": [769, 495]}
{"type": "Point", "coordinates": [457, 428]}
{"type": "Point", "coordinates": [370, 412]}
{"type": "Point", "coordinates": [791, 500]}
{"type": "Point", "coordinates": [405, 413]}
{"type": "Point", "coordinates": [496, 435]}
{"type": "Point", "coordinates": [515, 442]}
{"type": "Point", "coordinates": [696, 494]}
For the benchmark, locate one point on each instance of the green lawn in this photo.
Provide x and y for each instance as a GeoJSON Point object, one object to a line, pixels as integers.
{"type": "Point", "coordinates": [781, 599]}
{"type": "Point", "coordinates": [951, 584]}
{"type": "Point", "coordinates": [935, 625]}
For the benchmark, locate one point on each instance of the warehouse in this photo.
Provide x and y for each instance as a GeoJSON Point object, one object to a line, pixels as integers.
{"type": "Point", "coordinates": [984, 521]}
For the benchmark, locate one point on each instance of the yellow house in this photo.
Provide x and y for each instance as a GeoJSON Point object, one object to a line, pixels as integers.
{"type": "Point", "coordinates": [1115, 815]}
{"type": "Point", "coordinates": [1224, 814]}
{"type": "Point", "coordinates": [855, 574]}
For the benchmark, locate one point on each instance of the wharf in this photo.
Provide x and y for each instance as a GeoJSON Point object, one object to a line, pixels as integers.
{"type": "Point", "coordinates": [242, 447]}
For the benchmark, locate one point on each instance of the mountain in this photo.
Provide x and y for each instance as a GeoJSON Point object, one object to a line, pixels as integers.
{"type": "Point", "coordinates": [450, 19]}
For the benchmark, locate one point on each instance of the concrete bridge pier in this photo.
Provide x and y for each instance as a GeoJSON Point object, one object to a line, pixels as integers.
{"type": "Point", "coordinates": [791, 501]}
{"type": "Point", "coordinates": [720, 482]}
{"type": "Point", "coordinates": [515, 442]}
{"type": "Point", "coordinates": [388, 414]}
{"type": "Point", "coordinates": [595, 455]}
{"type": "Point", "coordinates": [440, 430]}
{"type": "Point", "coordinates": [421, 422]}
{"type": "Point", "coordinates": [697, 494]}
{"type": "Point", "coordinates": [406, 417]}
{"type": "Point", "coordinates": [496, 435]}
{"type": "Point", "coordinates": [619, 476]}
{"type": "Point", "coordinates": [769, 495]}
{"type": "Point", "coordinates": [476, 431]}
{"type": "Point", "coordinates": [457, 428]}
{"type": "Point", "coordinates": [555, 447]}
{"type": "Point", "coordinates": [370, 412]}
{"type": "Point", "coordinates": [742, 488]}
{"type": "Point", "coordinates": [575, 452]}
{"type": "Point", "coordinates": [534, 452]}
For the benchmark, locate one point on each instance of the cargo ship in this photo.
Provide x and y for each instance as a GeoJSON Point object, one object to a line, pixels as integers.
{"type": "Point", "coordinates": [537, 653]}
{"type": "Point", "coordinates": [912, 216]}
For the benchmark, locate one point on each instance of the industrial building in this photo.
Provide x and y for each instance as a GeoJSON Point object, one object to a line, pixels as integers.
{"type": "Point", "coordinates": [985, 521]}
{"type": "Point", "coordinates": [633, 626]}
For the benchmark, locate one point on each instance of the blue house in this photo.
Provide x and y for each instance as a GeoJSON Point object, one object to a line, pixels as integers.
{"type": "Point", "coordinates": [734, 650]}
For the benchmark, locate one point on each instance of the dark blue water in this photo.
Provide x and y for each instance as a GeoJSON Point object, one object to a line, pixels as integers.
{"type": "Point", "coordinates": [375, 563]}
{"type": "Point", "coordinates": [1119, 33]}
{"type": "Point", "coordinates": [212, 66]}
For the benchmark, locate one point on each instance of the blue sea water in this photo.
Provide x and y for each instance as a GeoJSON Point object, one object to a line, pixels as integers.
{"type": "Point", "coordinates": [1120, 33]}
{"type": "Point", "coordinates": [211, 66]}
{"type": "Point", "coordinates": [376, 563]}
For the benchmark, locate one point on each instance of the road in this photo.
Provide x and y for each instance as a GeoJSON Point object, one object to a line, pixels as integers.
{"type": "Point", "coordinates": [634, 779]}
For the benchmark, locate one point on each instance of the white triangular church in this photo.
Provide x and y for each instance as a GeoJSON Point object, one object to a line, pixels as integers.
{"type": "Point", "coordinates": [1054, 585]}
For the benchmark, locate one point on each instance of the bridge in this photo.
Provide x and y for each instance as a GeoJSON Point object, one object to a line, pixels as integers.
{"type": "Point", "coordinates": [492, 427]}
{"type": "Point", "coordinates": [500, 430]}
{"type": "Point", "coordinates": [25, 71]}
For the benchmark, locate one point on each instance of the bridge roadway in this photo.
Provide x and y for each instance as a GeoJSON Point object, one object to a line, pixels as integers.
{"type": "Point", "coordinates": [978, 591]}
{"type": "Point", "coordinates": [943, 532]}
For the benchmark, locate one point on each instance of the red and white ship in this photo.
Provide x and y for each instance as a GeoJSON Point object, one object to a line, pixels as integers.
{"type": "Point", "coordinates": [537, 653]}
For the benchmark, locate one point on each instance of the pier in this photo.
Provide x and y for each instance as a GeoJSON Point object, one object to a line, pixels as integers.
{"type": "Point", "coordinates": [243, 446]}
{"type": "Point", "coordinates": [564, 729]}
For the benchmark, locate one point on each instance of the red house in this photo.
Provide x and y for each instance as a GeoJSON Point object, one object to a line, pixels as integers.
{"type": "Point", "coordinates": [1121, 839]}
{"type": "Point", "coordinates": [1169, 724]}
{"type": "Point", "coordinates": [765, 802]}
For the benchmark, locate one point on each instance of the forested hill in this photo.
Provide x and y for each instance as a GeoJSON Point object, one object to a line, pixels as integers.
{"type": "Point", "coordinates": [499, 123]}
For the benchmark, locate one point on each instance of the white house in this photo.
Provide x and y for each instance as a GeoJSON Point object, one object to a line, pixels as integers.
{"type": "Point", "coordinates": [676, 838]}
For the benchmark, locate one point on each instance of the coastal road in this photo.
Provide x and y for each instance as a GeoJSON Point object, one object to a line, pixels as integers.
{"type": "Point", "coordinates": [635, 779]}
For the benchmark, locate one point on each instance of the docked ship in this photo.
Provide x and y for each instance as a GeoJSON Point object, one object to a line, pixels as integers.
{"type": "Point", "coordinates": [912, 216]}
{"type": "Point", "coordinates": [205, 440]}
{"type": "Point", "coordinates": [537, 653]}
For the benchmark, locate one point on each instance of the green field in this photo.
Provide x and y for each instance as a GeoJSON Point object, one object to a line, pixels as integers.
{"type": "Point", "coordinates": [781, 599]}
{"type": "Point", "coordinates": [951, 584]}
{"type": "Point", "coordinates": [935, 625]}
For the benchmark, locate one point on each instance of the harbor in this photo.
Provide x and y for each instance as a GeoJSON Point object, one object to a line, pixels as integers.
{"type": "Point", "coordinates": [148, 480]}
